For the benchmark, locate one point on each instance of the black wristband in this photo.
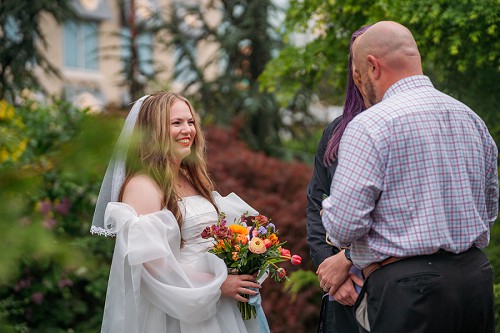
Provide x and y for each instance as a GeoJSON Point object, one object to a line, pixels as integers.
{"type": "Point", "coordinates": [347, 253]}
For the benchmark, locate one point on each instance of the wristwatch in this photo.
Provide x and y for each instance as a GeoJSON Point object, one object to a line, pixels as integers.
{"type": "Point", "coordinates": [347, 253]}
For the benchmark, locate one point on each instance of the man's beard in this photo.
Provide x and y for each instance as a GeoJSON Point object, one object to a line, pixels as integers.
{"type": "Point", "coordinates": [370, 93]}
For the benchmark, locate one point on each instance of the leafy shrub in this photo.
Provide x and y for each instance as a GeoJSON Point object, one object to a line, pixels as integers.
{"type": "Point", "coordinates": [53, 275]}
{"type": "Point", "coordinates": [277, 190]}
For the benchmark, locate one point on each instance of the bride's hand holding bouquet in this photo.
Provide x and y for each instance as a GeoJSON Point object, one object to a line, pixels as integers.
{"type": "Point", "coordinates": [250, 246]}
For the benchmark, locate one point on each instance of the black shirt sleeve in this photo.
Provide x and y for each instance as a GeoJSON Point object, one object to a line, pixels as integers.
{"type": "Point", "coordinates": [319, 185]}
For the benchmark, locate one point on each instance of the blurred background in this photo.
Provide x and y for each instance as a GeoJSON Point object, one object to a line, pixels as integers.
{"type": "Point", "coordinates": [265, 76]}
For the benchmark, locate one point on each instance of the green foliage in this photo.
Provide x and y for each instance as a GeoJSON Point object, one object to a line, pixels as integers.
{"type": "Point", "coordinates": [47, 198]}
{"type": "Point", "coordinates": [458, 41]}
{"type": "Point", "coordinates": [21, 39]}
{"type": "Point", "coordinates": [300, 280]}
{"type": "Point", "coordinates": [246, 41]}
{"type": "Point", "coordinates": [301, 148]}
{"type": "Point", "coordinates": [276, 189]}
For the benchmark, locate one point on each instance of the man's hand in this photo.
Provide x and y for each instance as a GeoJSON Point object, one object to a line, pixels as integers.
{"type": "Point", "coordinates": [333, 272]}
{"type": "Point", "coordinates": [346, 294]}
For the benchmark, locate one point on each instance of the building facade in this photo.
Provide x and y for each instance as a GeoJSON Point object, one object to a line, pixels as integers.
{"type": "Point", "coordinates": [92, 54]}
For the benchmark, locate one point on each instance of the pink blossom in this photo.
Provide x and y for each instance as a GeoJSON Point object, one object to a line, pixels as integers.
{"type": "Point", "coordinates": [223, 232]}
{"type": "Point", "coordinates": [37, 298]}
{"type": "Point", "coordinates": [267, 243]}
{"type": "Point", "coordinates": [44, 206]}
{"type": "Point", "coordinates": [281, 273]}
{"type": "Point", "coordinates": [286, 253]}
{"type": "Point", "coordinates": [296, 259]}
{"type": "Point", "coordinates": [22, 284]}
{"type": "Point", "coordinates": [65, 282]}
{"type": "Point", "coordinates": [49, 223]}
{"type": "Point", "coordinates": [63, 206]}
{"type": "Point", "coordinates": [206, 233]}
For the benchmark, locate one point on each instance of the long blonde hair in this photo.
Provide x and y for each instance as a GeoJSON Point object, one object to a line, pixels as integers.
{"type": "Point", "coordinates": [151, 152]}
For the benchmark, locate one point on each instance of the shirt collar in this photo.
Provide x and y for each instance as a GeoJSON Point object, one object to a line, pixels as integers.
{"type": "Point", "coordinates": [408, 83]}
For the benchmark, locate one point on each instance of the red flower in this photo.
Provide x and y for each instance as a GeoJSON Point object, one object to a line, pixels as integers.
{"type": "Point", "coordinates": [296, 259]}
{"type": "Point", "coordinates": [286, 253]}
{"type": "Point", "coordinates": [281, 273]}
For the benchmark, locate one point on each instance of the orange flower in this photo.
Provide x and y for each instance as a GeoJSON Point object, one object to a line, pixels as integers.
{"type": "Point", "coordinates": [242, 239]}
{"type": "Point", "coordinates": [238, 229]}
{"type": "Point", "coordinates": [257, 246]}
{"type": "Point", "coordinates": [274, 239]}
{"type": "Point", "coordinates": [220, 244]}
{"type": "Point", "coordinates": [235, 256]}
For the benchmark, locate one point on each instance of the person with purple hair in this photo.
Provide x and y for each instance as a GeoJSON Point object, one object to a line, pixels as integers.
{"type": "Point", "coordinates": [333, 263]}
{"type": "Point", "coordinates": [415, 195]}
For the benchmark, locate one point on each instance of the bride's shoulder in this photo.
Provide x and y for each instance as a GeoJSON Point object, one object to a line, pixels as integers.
{"type": "Point", "coordinates": [141, 182]}
{"type": "Point", "coordinates": [143, 194]}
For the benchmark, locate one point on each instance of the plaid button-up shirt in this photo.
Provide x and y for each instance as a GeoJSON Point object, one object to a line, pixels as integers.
{"type": "Point", "coordinates": [417, 173]}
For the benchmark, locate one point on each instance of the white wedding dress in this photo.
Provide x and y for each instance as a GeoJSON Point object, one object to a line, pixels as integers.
{"type": "Point", "coordinates": [157, 286]}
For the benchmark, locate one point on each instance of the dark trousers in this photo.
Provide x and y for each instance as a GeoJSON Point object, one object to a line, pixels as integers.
{"type": "Point", "coordinates": [336, 318]}
{"type": "Point", "coordinates": [442, 292]}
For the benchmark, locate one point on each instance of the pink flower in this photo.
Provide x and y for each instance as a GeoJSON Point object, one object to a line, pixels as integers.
{"type": "Point", "coordinates": [37, 298]}
{"type": "Point", "coordinates": [286, 253]}
{"type": "Point", "coordinates": [65, 282]}
{"type": "Point", "coordinates": [44, 206]}
{"type": "Point", "coordinates": [267, 243]}
{"type": "Point", "coordinates": [261, 220]}
{"type": "Point", "coordinates": [49, 223]}
{"type": "Point", "coordinates": [257, 246]}
{"type": "Point", "coordinates": [296, 259]}
{"type": "Point", "coordinates": [63, 206]}
{"type": "Point", "coordinates": [281, 273]}
{"type": "Point", "coordinates": [207, 233]}
{"type": "Point", "coordinates": [22, 284]}
{"type": "Point", "coordinates": [223, 232]}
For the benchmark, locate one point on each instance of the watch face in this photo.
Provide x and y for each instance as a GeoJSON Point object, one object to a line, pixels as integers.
{"type": "Point", "coordinates": [89, 4]}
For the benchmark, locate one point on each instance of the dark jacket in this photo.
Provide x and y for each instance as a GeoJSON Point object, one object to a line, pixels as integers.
{"type": "Point", "coordinates": [319, 185]}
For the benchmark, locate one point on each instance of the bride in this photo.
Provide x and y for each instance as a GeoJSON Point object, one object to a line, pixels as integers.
{"type": "Point", "coordinates": [157, 198]}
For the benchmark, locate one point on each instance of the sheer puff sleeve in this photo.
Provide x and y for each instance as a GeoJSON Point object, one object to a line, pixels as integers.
{"type": "Point", "coordinates": [149, 288]}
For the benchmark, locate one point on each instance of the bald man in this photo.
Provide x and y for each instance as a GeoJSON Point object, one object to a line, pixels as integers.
{"type": "Point", "coordinates": [415, 193]}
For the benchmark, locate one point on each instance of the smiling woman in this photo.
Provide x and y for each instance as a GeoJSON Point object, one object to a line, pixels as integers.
{"type": "Point", "coordinates": [161, 272]}
{"type": "Point", "coordinates": [182, 129]}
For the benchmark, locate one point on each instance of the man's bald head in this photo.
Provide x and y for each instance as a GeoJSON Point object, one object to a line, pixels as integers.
{"type": "Point", "coordinates": [390, 42]}
{"type": "Point", "coordinates": [386, 52]}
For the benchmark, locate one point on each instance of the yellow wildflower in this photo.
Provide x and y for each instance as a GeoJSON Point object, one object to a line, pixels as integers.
{"type": "Point", "coordinates": [6, 110]}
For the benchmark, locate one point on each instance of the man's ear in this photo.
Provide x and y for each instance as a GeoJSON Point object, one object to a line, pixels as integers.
{"type": "Point", "coordinates": [373, 67]}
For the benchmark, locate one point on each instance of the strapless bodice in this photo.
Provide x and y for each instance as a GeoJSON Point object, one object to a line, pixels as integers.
{"type": "Point", "coordinates": [198, 213]}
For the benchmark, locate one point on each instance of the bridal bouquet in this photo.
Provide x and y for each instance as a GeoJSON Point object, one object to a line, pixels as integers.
{"type": "Point", "coordinates": [250, 245]}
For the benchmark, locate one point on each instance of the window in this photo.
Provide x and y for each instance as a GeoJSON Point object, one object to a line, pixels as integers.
{"type": "Point", "coordinates": [184, 72]}
{"type": "Point", "coordinates": [12, 33]}
{"type": "Point", "coordinates": [80, 45]}
{"type": "Point", "coordinates": [144, 43]}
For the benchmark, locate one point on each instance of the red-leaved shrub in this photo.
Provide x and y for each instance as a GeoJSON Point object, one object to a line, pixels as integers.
{"type": "Point", "coordinates": [276, 189]}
